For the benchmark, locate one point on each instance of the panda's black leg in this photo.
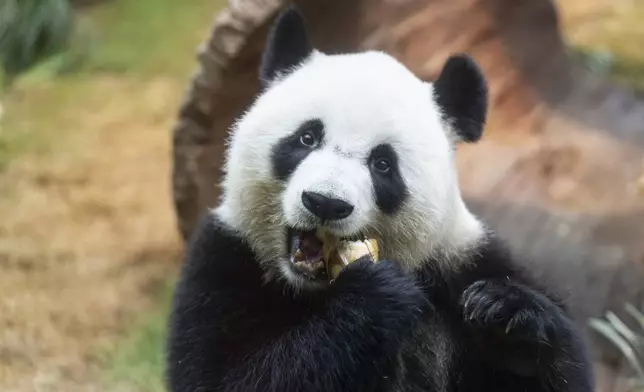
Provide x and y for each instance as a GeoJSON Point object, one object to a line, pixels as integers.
{"type": "Point", "coordinates": [521, 331]}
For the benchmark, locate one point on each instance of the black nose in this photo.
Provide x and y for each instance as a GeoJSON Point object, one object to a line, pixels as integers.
{"type": "Point", "coordinates": [326, 208]}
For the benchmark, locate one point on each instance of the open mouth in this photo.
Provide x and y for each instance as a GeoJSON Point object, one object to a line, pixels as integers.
{"type": "Point", "coordinates": [306, 253]}
{"type": "Point", "coordinates": [310, 251]}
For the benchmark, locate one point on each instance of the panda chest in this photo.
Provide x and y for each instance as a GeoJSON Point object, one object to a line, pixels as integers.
{"type": "Point", "coordinates": [428, 355]}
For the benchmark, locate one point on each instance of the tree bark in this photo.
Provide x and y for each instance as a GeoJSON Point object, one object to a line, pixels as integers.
{"type": "Point", "coordinates": [557, 172]}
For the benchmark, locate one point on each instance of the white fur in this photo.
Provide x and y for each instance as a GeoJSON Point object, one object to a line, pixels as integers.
{"type": "Point", "coordinates": [363, 100]}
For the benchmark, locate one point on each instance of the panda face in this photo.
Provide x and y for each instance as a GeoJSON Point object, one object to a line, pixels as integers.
{"type": "Point", "coordinates": [345, 154]}
{"type": "Point", "coordinates": [353, 145]}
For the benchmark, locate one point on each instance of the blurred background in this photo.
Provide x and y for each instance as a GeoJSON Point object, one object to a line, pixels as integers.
{"type": "Point", "coordinates": [113, 114]}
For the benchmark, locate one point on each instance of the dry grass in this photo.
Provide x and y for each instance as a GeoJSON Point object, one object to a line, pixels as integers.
{"type": "Point", "coordinates": [87, 231]}
{"type": "Point", "coordinates": [613, 27]}
{"type": "Point", "coordinates": [603, 24]}
{"type": "Point", "coordinates": [87, 234]}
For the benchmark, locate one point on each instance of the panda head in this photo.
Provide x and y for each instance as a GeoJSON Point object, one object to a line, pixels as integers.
{"type": "Point", "coordinates": [355, 145]}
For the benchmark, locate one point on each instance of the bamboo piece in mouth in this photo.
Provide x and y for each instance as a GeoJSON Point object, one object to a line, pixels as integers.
{"type": "Point", "coordinates": [338, 256]}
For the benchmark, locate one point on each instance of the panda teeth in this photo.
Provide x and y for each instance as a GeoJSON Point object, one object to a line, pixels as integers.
{"type": "Point", "coordinates": [295, 248]}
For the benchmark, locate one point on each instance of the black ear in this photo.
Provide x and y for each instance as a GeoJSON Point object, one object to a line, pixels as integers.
{"type": "Point", "coordinates": [288, 45]}
{"type": "Point", "coordinates": [461, 93]}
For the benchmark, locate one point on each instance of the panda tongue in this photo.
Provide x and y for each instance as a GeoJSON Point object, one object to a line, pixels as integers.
{"type": "Point", "coordinates": [311, 247]}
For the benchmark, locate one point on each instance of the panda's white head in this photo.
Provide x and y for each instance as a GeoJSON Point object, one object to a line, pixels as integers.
{"type": "Point", "coordinates": [355, 145]}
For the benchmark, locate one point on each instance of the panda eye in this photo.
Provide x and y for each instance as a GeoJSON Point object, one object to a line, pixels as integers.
{"type": "Point", "coordinates": [382, 165]}
{"type": "Point", "coordinates": [308, 139]}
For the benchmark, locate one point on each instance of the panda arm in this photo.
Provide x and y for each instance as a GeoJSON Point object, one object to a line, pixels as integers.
{"type": "Point", "coordinates": [347, 346]}
{"type": "Point", "coordinates": [231, 333]}
{"type": "Point", "coordinates": [518, 326]}
{"type": "Point", "coordinates": [518, 329]}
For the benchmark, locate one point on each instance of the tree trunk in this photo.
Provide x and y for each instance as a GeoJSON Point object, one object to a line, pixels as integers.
{"type": "Point", "coordinates": [557, 172]}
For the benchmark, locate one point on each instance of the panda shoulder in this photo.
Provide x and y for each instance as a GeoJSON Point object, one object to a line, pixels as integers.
{"type": "Point", "coordinates": [216, 252]}
{"type": "Point", "coordinates": [489, 257]}
{"type": "Point", "coordinates": [493, 258]}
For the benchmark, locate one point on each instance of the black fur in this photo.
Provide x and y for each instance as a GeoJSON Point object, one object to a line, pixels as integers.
{"type": "Point", "coordinates": [461, 93]}
{"type": "Point", "coordinates": [289, 152]}
{"type": "Point", "coordinates": [231, 332]}
{"type": "Point", "coordinates": [288, 46]}
{"type": "Point", "coordinates": [485, 327]}
{"type": "Point", "coordinates": [389, 187]}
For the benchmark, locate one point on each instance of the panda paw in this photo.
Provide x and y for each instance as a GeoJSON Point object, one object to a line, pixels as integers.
{"type": "Point", "coordinates": [512, 309]}
{"type": "Point", "coordinates": [384, 288]}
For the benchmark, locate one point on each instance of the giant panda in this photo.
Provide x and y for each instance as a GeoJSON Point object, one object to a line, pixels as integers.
{"type": "Point", "coordinates": [358, 146]}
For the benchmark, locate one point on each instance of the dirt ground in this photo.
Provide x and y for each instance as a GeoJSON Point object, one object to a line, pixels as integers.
{"type": "Point", "coordinates": [86, 235]}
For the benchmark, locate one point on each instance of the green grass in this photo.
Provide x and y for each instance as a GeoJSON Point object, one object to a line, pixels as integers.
{"type": "Point", "coordinates": [31, 123]}
{"type": "Point", "coordinates": [629, 71]}
{"type": "Point", "coordinates": [128, 39]}
{"type": "Point", "coordinates": [622, 68]}
{"type": "Point", "coordinates": [142, 39]}
{"type": "Point", "coordinates": [150, 36]}
{"type": "Point", "coordinates": [137, 363]}
{"type": "Point", "coordinates": [134, 38]}
{"type": "Point", "coordinates": [30, 31]}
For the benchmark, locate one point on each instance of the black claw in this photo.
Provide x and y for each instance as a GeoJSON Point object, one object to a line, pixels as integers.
{"type": "Point", "coordinates": [510, 308]}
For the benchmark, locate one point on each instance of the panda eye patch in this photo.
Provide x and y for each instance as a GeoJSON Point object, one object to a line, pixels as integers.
{"type": "Point", "coordinates": [310, 133]}
{"type": "Point", "coordinates": [292, 149]}
{"type": "Point", "coordinates": [308, 139]}
{"type": "Point", "coordinates": [389, 186]}
{"type": "Point", "coordinates": [382, 165]}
